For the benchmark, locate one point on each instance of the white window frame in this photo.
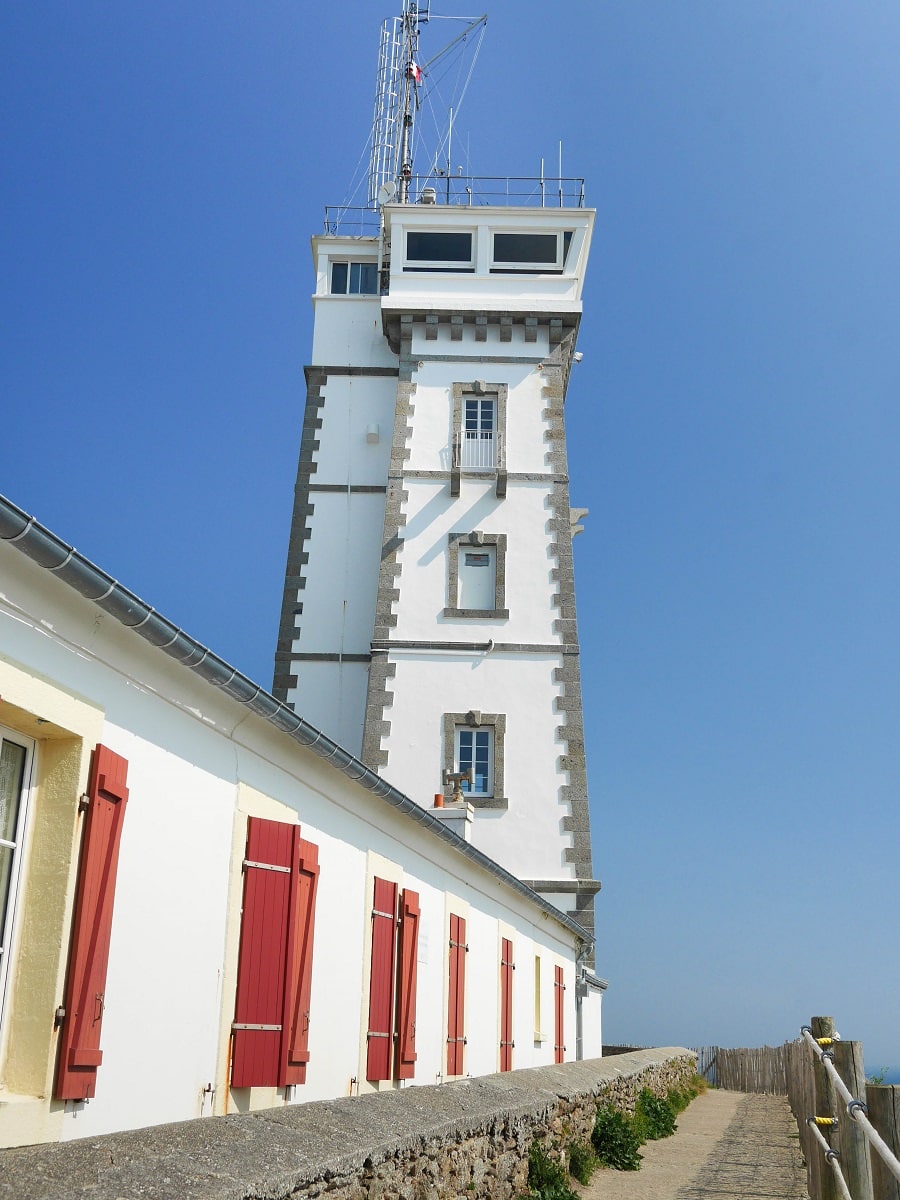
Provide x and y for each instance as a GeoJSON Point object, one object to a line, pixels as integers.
{"type": "Point", "coordinates": [486, 734]}
{"type": "Point", "coordinates": [8, 919]}
{"type": "Point", "coordinates": [478, 449]}
{"type": "Point", "coordinates": [452, 724]}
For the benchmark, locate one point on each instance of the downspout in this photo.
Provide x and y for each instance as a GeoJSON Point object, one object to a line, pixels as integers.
{"type": "Point", "coordinates": [584, 950]}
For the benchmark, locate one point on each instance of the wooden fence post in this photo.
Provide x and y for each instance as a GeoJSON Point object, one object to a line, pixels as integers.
{"type": "Point", "coordinates": [853, 1143]}
{"type": "Point", "coordinates": [884, 1113]}
{"type": "Point", "coordinates": [824, 1184]}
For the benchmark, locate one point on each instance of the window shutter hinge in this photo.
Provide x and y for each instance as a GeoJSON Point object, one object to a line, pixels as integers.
{"type": "Point", "coordinates": [84, 802]}
{"type": "Point", "coordinates": [59, 1016]}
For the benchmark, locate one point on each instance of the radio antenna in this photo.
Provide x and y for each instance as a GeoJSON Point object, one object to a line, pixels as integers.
{"type": "Point", "coordinates": [398, 80]}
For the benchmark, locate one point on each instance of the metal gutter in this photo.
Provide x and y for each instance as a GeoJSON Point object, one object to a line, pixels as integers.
{"type": "Point", "coordinates": [44, 548]}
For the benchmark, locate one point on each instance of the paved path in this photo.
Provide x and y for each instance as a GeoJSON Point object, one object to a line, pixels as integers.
{"type": "Point", "coordinates": [728, 1146]}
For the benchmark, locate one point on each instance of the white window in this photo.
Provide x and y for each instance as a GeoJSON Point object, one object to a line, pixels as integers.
{"type": "Point", "coordinates": [477, 577]}
{"type": "Point", "coordinates": [479, 427]}
{"type": "Point", "coordinates": [354, 278]}
{"type": "Point", "coordinates": [16, 755]}
{"type": "Point", "coordinates": [475, 750]}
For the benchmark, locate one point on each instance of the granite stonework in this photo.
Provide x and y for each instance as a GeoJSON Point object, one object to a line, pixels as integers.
{"type": "Point", "coordinates": [468, 1138]}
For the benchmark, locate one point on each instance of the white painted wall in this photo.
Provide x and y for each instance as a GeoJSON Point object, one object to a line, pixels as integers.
{"type": "Point", "coordinates": [198, 762]}
{"type": "Point", "coordinates": [344, 554]}
{"type": "Point", "coordinates": [432, 516]}
{"type": "Point", "coordinates": [429, 446]}
{"type": "Point", "coordinates": [159, 1041]}
{"type": "Point", "coordinates": [348, 332]}
{"type": "Point", "coordinates": [527, 839]}
{"type": "Point", "coordinates": [352, 403]}
{"type": "Point", "coordinates": [342, 572]}
{"type": "Point", "coordinates": [332, 696]}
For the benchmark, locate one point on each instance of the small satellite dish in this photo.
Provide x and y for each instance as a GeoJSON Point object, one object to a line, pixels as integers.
{"type": "Point", "coordinates": [387, 192]}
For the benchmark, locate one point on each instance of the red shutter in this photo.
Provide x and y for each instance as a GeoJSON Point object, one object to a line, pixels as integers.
{"type": "Point", "coordinates": [506, 989]}
{"type": "Point", "coordinates": [456, 1012]}
{"type": "Point", "coordinates": [79, 1041]}
{"type": "Point", "coordinates": [381, 983]}
{"type": "Point", "coordinates": [298, 980]}
{"type": "Point", "coordinates": [406, 1001]}
{"type": "Point", "coordinates": [559, 994]}
{"type": "Point", "coordinates": [272, 850]}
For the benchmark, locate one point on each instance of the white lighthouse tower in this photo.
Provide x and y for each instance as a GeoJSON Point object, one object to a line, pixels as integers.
{"type": "Point", "coordinates": [428, 622]}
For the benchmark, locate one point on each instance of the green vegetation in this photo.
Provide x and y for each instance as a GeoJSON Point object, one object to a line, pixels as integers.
{"type": "Point", "coordinates": [547, 1178]}
{"type": "Point", "coordinates": [680, 1098]}
{"type": "Point", "coordinates": [616, 1140]}
{"type": "Point", "coordinates": [618, 1136]}
{"type": "Point", "coordinates": [654, 1117]}
{"type": "Point", "coordinates": [583, 1162]}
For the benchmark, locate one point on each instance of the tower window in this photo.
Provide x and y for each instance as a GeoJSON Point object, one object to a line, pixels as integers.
{"type": "Point", "coordinates": [354, 279]}
{"type": "Point", "coordinates": [475, 752]}
{"type": "Point", "coordinates": [475, 740]}
{"type": "Point", "coordinates": [476, 575]}
{"type": "Point", "coordinates": [479, 424]}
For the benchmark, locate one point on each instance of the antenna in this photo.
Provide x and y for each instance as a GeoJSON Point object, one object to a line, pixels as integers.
{"type": "Point", "coordinates": [396, 84]}
{"type": "Point", "coordinates": [398, 79]}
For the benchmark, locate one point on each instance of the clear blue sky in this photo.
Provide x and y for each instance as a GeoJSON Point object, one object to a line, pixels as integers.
{"type": "Point", "coordinates": [734, 426]}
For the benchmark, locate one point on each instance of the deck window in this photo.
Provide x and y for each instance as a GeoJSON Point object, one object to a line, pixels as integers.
{"type": "Point", "coordinates": [354, 278]}
{"type": "Point", "coordinates": [428, 250]}
{"type": "Point", "coordinates": [530, 253]}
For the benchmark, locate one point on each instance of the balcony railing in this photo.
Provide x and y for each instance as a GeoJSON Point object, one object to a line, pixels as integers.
{"type": "Point", "coordinates": [475, 450]}
{"type": "Point", "coordinates": [464, 191]}
{"type": "Point", "coordinates": [507, 190]}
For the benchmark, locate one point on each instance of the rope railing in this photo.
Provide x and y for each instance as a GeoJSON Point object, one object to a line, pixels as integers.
{"type": "Point", "coordinates": [856, 1108]}
{"type": "Point", "coordinates": [831, 1156]}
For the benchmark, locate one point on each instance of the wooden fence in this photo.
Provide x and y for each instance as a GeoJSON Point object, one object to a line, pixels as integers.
{"type": "Point", "coordinates": [793, 1070]}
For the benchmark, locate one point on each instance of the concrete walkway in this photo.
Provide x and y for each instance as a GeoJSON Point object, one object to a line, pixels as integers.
{"type": "Point", "coordinates": [728, 1145]}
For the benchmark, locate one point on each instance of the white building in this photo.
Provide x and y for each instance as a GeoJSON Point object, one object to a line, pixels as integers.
{"type": "Point", "coordinates": [207, 906]}
{"type": "Point", "coordinates": [429, 619]}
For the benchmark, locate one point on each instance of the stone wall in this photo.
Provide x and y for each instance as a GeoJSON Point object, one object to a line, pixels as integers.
{"type": "Point", "coordinates": [464, 1139]}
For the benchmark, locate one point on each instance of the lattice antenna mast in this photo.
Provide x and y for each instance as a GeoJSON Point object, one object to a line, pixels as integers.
{"type": "Point", "coordinates": [396, 102]}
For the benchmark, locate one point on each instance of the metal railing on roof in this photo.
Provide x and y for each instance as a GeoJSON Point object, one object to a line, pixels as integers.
{"type": "Point", "coordinates": [464, 191]}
